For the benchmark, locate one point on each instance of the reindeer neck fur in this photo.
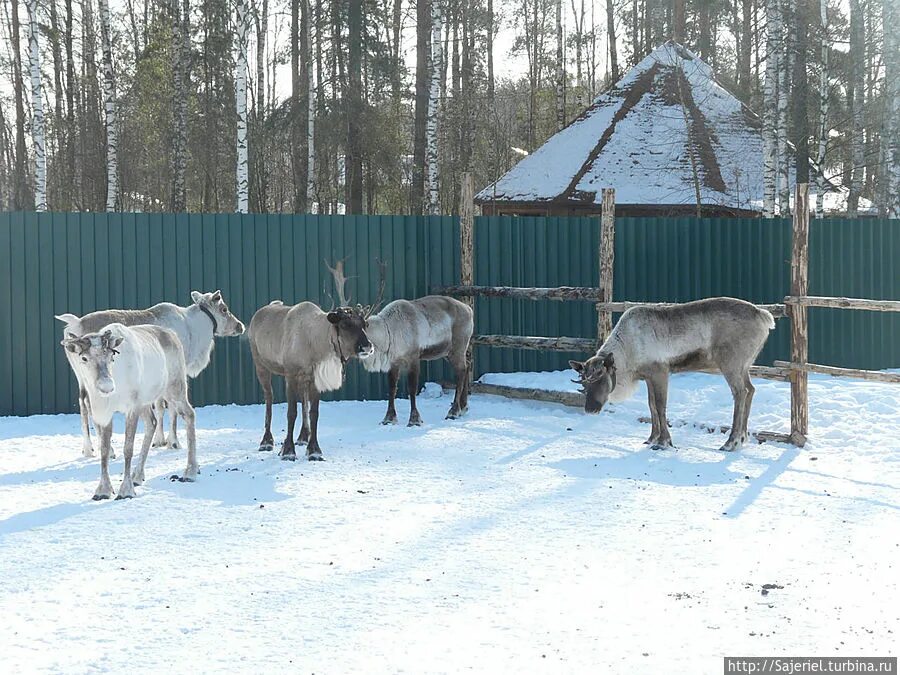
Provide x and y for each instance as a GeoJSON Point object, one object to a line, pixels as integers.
{"type": "Point", "coordinates": [626, 378]}
{"type": "Point", "coordinates": [199, 340]}
{"type": "Point", "coordinates": [380, 335]}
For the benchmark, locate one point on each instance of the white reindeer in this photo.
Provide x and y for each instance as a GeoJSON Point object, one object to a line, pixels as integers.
{"type": "Point", "coordinates": [196, 326]}
{"type": "Point", "coordinates": [126, 370]}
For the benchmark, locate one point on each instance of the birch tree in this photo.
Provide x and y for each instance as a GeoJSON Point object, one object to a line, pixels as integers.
{"type": "Point", "coordinates": [891, 134]}
{"type": "Point", "coordinates": [240, 92]}
{"type": "Point", "coordinates": [437, 60]}
{"type": "Point", "coordinates": [560, 70]}
{"type": "Point", "coordinates": [109, 100]}
{"type": "Point", "coordinates": [822, 127]}
{"type": "Point", "coordinates": [37, 111]}
{"type": "Point", "coordinates": [310, 118]}
{"type": "Point", "coordinates": [770, 107]}
{"type": "Point", "coordinates": [611, 40]}
{"type": "Point", "coordinates": [784, 83]}
{"type": "Point", "coordinates": [855, 96]}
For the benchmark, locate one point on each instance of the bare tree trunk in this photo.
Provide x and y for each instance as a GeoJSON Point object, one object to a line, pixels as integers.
{"type": "Point", "coordinates": [423, 73]}
{"type": "Point", "coordinates": [770, 107]}
{"type": "Point", "coordinates": [259, 144]}
{"type": "Point", "coordinates": [490, 51]}
{"type": "Point", "coordinates": [57, 179]}
{"type": "Point", "coordinates": [37, 111]}
{"type": "Point", "coordinates": [354, 160]}
{"type": "Point", "coordinates": [855, 94]}
{"type": "Point", "coordinates": [784, 85]}
{"type": "Point", "coordinates": [240, 95]}
{"type": "Point", "coordinates": [181, 49]}
{"type": "Point", "coordinates": [71, 89]}
{"type": "Point", "coordinates": [437, 60]}
{"type": "Point", "coordinates": [800, 94]}
{"type": "Point", "coordinates": [891, 134]}
{"type": "Point", "coordinates": [611, 40]}
{"type": "Point", "coordinates": [297, 154]}
{"type": "Point", "coordinates": [579, 14]}
{"type": "Point", "coordinates": [822, 130]}
{"type": "Point", "coordinates": [112, 123]}
{"type": "Point", "coordinates": [746, 38]}
{"type": "Point", "coordinates": [678, 21]}
{"type": "Point", "coordinates": [310, 116]}
{"type": "Point", "coordinates": [560, 70]}
{"type": "Point", "coordinates": [21, 197]}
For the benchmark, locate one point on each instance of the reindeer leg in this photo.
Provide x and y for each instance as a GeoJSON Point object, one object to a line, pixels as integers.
{"type": "Point", "coordinates": [287, 448]}
{"type": "Point", "coordinates": [104, 489]}
{"type": "Point", "coordinates": [313, 451]}
{"type": "Point", "coordinates": [84, 408]}
{"type": "Point", "coordinates": [265, 380]}
{"type": "Point", "coordinates": [303, 438]}
{"type": "Point", "coordinates": [661, 395]}
{"type": "Point", "coordinates": [412, 380]}
{"type": "Point", "coordinates": [187, 412]}
{"type": "Point", "coordinates": [748, 399]}
{"type": "Point", "coordinates": [159, 438]}
{"type": "Point", "coordinates": [172, 439]}
{"type": "Point", "coordinates": [739, 393]}
{"type": "Point", "coordinates": [126, 489]}
{"type": "Point", "coordinates": [390, 417]}
{"type": "Point", "coordinates": [461, 396]}
{"type": "Point", "coordinates": [654, 420]}
{"type": "Point", "coordinates": [149, 429]}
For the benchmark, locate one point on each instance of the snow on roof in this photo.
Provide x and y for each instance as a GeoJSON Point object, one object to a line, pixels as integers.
{"type": "Point", "coordinates": [665, 122]}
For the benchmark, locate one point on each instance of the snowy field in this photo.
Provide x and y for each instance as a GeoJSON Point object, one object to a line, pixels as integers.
{"type": "Point", "coordinates": [526, 537]}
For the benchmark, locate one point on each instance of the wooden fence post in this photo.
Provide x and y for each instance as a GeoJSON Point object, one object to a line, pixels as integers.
{"type": "Point", "coordinates": [606, 252]}
{"type": "Point", "coordinates": [467, 251]}
{"type": "Point", "coordinates": [798, 315]}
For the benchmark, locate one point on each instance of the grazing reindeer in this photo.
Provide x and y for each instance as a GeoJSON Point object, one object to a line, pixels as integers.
{"type": "Point", "coordinates": [406, 332]}
{"type": "Point", "coordinates": [722, 335]}
{"type": "Point", "coordinates": [126, 370]}
{"type": "Point", "coordinates": [195, 325]}
{"type": "Point", "coordinates": [309, 348]}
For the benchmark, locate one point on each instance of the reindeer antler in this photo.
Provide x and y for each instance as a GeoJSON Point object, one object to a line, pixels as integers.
{"type": "Point", "coordinates": [339, 280]}
{"type": "Point", "coordinates": [382, 274]}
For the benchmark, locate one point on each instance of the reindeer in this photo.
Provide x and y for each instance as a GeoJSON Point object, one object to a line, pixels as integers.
{"type": "Point", "coordinates": [309, 348]}
{"type": "Point", "coordinates": [126, 370]}
{"type": "Point", "coordinates": [406, 332]}
{"type": "Point", "coordinates": [723, 335]}
{"type": "Point", "coordinates": [196, 326]}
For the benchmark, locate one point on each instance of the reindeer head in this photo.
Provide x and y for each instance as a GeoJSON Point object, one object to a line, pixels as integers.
{"type": "Point", "coordinates": [225, 324]}
{"type": "Point", "coordinates": [95, 353]}
{"type": "Point", "coordinates": [350, 326]}
{"type": "Point", "coordinates": [597, 377]}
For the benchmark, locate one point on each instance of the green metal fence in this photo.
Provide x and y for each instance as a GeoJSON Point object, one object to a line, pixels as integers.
{"type": "Point", "coordinates": [53, 263]}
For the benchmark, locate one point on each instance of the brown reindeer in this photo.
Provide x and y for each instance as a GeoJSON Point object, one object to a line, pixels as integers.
{"type": "Point", "coordinates": [309, 348]}
{"type": "Point", "coordinates": [717, 335]}
{"type": "Point", "coordinates": [407, 332]}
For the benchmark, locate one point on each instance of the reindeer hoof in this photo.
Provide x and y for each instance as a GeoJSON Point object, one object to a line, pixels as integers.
{"type": "Point", "coordinates": [666, 445]}
{"type": "Point", "coordinates": [315, 457]}
{"type": "Point", "coordinates": [288, 456]}
{"type": "Point", "coordinates": [266, 447]}
{"type": "Point", "coordinates": [186, 479]}
{"type": "Point", "coordinates": [99, 498]}
{"type": "Point", "coordinates": [118, 497]}
{"type": "Point", "coordinates": [389, 420]}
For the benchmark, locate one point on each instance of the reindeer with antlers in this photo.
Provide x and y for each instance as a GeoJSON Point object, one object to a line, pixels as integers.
{"type": "Point", "coordinates": [407, 332]}
{"type": "Point", "coordinates": [309, 348]}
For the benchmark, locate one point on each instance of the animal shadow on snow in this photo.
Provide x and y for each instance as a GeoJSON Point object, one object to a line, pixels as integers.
{"type": "Point", "coordinates": [665, 468]}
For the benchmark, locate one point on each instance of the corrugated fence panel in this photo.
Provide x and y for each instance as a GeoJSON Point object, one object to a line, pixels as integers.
{"type": "Point", "coordinates": [56, 262]}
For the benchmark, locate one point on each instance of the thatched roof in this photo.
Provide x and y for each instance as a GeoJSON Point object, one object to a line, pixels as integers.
{"type": "Point", "coordinates": [666, 130]}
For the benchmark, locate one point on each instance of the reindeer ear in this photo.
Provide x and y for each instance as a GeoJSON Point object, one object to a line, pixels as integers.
{"type": "Point", "coordinates": [609, 362]}
{"type": "Point", "coordinates": [216, 296]}
{"type": "Point", "coordinates": [334, 317]}
{"type": "Point", "coordinates": [196, 296]}
{"type": "Point", "coordinates": [117, 341]}
{"type": "Point", "coordinates": [577, 366]}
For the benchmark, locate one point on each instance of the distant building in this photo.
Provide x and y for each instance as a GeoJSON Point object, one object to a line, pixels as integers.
{"type": "Point", "coordinates": [663, 135]}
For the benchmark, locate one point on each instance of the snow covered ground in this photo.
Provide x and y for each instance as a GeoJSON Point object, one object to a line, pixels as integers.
{"type": "Point", "coordinates": [526, 537]}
